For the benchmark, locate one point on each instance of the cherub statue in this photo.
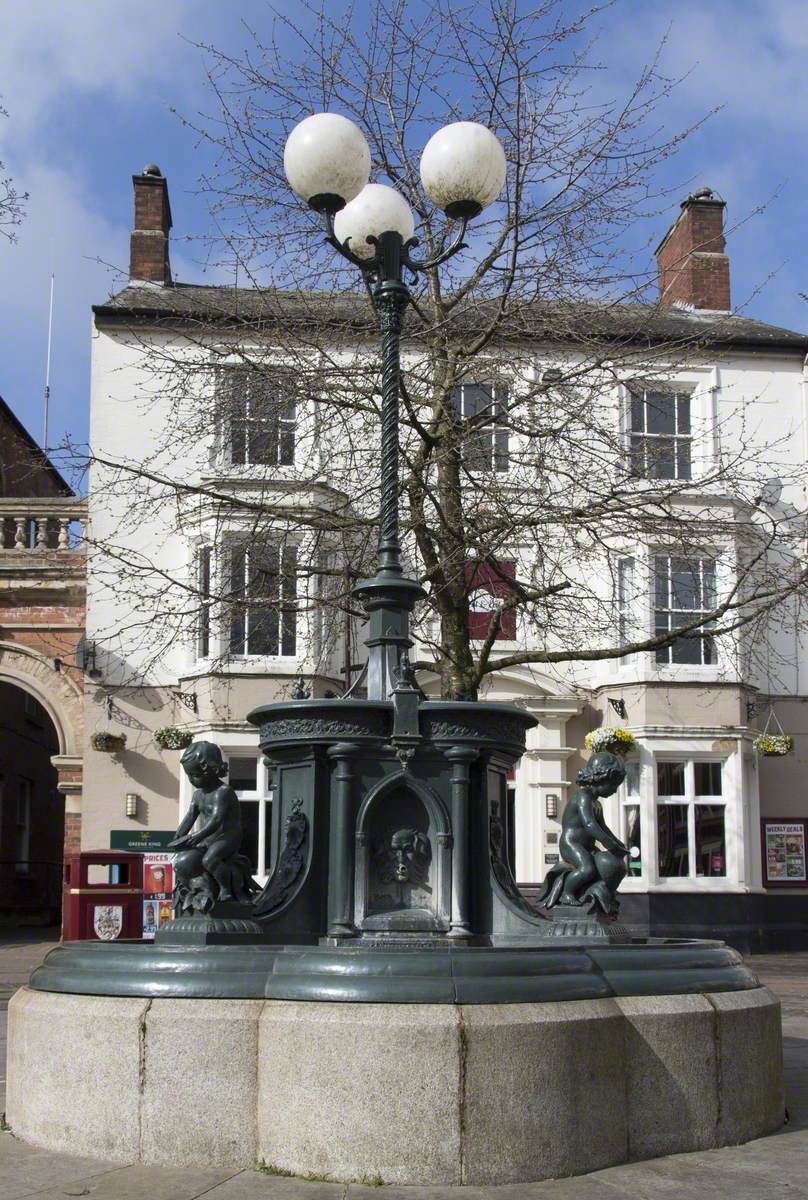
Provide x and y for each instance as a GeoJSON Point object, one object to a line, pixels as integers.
{"type": "Point", "coordinates": [209, 866]}
{"type": "Point", "coordinates": [589, 876]}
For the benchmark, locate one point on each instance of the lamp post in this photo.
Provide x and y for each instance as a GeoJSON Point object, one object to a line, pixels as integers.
{"type": "Point", "coordinates": [327, 163]}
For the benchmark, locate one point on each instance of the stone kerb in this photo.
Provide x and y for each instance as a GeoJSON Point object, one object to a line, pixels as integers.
{"type": "Point", "coordinates": [406, 1093]}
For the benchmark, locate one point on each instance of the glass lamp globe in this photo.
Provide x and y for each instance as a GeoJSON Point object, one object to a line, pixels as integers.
{"type": "Point", "coordinates": [376, 210]}
{"type": "Point", "coordinates": [463, 168]}
{"type": "Point", "coordinates": [327, 161]}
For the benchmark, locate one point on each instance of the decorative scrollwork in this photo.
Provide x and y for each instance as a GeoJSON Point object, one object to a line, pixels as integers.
{"type": "Point", "coordinates": [352, 725]}
{"type": "Point", "coordinates": [476, 726]}
{"type": "Point", "coordinates": [291, 864]}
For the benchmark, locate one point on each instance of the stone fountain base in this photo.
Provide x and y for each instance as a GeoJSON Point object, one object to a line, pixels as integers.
{"type": "Point", "coordinates": [401, 1093]}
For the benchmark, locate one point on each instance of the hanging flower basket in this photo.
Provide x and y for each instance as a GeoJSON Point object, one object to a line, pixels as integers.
{"type": "Point", "coordinates": [171, 737]}
{"type": "Point", "coordinates": [617, 741]}
{"type": "Point", "coordinates": [108, 742]}
{"type": "Point", "coordinates": [773, 745]}
{"type": "Point", "coordinates": [774, 742]}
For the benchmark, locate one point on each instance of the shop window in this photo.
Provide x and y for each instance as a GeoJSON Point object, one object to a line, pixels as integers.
{"type": "Point", "coordinates": [263, 595]}
{"type": "Point", "coordinates": [660, 435]}
{"type": "Point", "coordinates": [684, 592]}
{"type": "Point", "coordinates": [485, 408]}
{"type": "Point", "coordinates": [631, 828]}
{"type": "Point", "coordinates": [691, 819]}
{"type": "Point", "coordinates": [249, 778]}
{"type": "Point", "coordinates": [257, 412]}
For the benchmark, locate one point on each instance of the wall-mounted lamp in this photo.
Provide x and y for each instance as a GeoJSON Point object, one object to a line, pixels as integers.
{"type": "Point", "coordinates": [131, 804]}
{"type": "Point", "coordinates": [551, 805]}
{"type": "Point", "coordinates": [619, 707]}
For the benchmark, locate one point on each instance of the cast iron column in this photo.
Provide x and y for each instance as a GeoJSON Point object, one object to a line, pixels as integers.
{"type": "Point", "coordinates": [341, 842]}
{"type": "Point", "coordinates": [461, 758]}
{"type": "Point", "coordinates": [388, 596]}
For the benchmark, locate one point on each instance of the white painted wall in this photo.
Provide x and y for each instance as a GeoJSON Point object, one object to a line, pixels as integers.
{"type": "Point", "coordinates": [753, 398]}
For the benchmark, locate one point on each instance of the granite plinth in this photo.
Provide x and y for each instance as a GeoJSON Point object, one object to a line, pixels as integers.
{"type": "Point", "coordinates": [433, 1094]}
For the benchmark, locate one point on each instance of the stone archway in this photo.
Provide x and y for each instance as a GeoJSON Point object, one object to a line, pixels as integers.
{"type": "Point", "coordinates": [61, 697]}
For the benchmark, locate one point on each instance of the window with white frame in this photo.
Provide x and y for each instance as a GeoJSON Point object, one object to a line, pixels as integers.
{"type": "Point", "coordinates": [249, 777]}
{"type": "Point", "coordinates": [485, 407]}
{"type": "Point", "coordinates": [684, 592]}
{"type": "Point", "coordinates": [203, 579]}
{"type": "Point", "coordinates": [691, 819]}
{"type": "Point", "coordinates": [257, 413]}
{"type": "Point", "coordinates": [660, 434]}
{"type": "Point", "coordinates": [630, 818]}
{"type": "Point", "coordinates": [263, 598]}
{"type": "Point", "coordinates": [624, 595]}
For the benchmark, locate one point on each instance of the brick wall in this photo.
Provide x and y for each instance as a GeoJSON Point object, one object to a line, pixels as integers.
{"type": "Point", "coordinates": [23, 471]}
{"type": "Point", "coordinates": [148, 247]}
{"type": "Point", "coordinates": [693, 268]}
{"type": "Point", "coordinates": [72, 833]}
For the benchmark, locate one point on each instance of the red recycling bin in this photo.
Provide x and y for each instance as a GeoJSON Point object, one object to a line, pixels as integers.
{"type": "Point", "coordinates": [102, 896]}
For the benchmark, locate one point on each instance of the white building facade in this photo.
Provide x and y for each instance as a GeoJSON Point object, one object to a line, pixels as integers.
{"type": "Point", "coordinates": [717, 834]}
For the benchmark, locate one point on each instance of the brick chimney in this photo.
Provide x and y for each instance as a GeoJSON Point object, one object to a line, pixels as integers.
{"type": "Point", "coordinates": [148, 247]}
{"type": "Point", "coordinates": [693, 268]}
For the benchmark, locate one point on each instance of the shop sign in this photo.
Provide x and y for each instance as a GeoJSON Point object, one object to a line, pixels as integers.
{"type": "Point", "coordinates": [140, 840]}
{"type": "Point", "coordinates": [784, 852]}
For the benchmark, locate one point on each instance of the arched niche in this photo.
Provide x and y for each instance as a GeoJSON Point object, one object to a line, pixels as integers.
{"type": "Point", "coordinates": [403, 859]}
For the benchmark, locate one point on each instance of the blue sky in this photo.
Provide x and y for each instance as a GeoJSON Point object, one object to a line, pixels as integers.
{"type": "Point", "coordinates": [89, 86]}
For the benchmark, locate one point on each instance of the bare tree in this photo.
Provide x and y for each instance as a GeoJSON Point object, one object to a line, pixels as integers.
{"type": "Point", "coordinates": [518, 360]}
{"type": "Point", "coordinates": [12, 202]}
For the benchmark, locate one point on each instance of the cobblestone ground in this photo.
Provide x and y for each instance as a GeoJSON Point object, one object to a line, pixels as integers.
{"type": "Point", "coordinates": [773, 1168]}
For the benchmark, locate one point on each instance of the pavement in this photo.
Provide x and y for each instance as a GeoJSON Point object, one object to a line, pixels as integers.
{"type": "Point", "coordinates": [772, 1168]}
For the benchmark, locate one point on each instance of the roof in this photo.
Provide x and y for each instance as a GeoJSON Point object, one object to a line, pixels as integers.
{"type": "Point", "coordinates": [7, 415]}
{"type": "Point", "coordinates": [539, 320]}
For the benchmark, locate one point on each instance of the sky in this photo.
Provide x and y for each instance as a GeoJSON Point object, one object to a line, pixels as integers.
{"type": "Point", "coordinates": [91, 88]}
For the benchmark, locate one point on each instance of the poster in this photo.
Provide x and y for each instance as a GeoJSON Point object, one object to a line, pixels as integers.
{"type": "Point", "coordinates": [158, 885]}
{"type": "Point", "coordinates": [784, 852]}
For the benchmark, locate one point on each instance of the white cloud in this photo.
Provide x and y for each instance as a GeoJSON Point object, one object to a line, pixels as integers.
{"type": "Point", "coordinates": [54, 53]}
{"type": "Point", "coordinates": [51, 49]}
{"type": "Point", "coordinates": [746, 54]}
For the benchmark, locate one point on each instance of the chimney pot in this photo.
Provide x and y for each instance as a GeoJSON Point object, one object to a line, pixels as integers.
{"type": "Point", "coordinates": [692, 267]}
{"type": "Point", "coordinates": [148, 248]}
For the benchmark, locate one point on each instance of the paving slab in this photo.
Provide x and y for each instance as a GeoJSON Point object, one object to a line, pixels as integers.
{"type": "Point", "coordinates": [138, 1183]}
{"type": "Point", "coordinates": [41, 1168]}
{"type": "Point", "coordinates": [678, 1179]}
{"type": "Point", "coordinates": [254, 1185]}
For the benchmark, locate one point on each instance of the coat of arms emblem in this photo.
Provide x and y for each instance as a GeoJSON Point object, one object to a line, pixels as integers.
{"type": "Point", "coordinates": [108, 921]}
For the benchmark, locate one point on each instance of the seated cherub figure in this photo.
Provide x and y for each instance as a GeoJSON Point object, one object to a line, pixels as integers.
{"type": "Point", "coordinates": [589, 876]}
{"type": "Point", "coordinates": [209, 866]}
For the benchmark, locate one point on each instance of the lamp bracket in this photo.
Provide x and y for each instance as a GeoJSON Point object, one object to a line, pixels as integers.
{"type": "Point", "coordinates": [373, 268]}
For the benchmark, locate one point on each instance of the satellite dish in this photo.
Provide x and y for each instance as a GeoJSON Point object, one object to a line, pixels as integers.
{"type": "Point", "coordinates": [771, 492]}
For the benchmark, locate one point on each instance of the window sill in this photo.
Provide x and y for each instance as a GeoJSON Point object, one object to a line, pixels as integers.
{"type": "Point", "coordinates": [259, 663]}
{"type": "Point", "coordinates": [700, 883]}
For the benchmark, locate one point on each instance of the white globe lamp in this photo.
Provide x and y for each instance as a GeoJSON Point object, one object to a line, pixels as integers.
{"type": "Point", "coordinates": [376, 210]}
{"type": "Point", "coordinates": [327, 161]}
{"type": "Point", "coordinates": [463, 168]}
